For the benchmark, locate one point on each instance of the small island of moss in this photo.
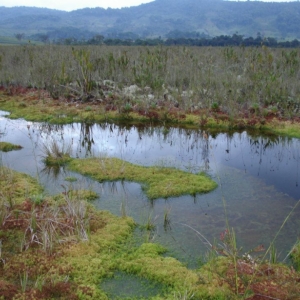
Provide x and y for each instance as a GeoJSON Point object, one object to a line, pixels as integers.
{"type": "Point", "coordinates": [6, 147]}
{"type": "Point", "coordinates": [158, 182]}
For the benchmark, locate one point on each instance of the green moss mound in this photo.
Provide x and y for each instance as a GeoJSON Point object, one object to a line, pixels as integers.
{"type": "Point", "coordinates": [15, 186]}
{"type": "Point", "coordinates": [158, 181]}
{"type": "Point", "coordinates": [77, 265]}
{"type": "Point", "coordinates": [5, 147]}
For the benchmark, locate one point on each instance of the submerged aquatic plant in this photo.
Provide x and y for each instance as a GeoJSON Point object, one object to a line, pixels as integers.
{"type": "Point", "coordinates": [70, 179]}
{"type": "Point", "coordinates": [123, 208]}
{"type": "Point", "coordinates": [167, 219]}
{"type": "Point", "coordinates": [150, 223]}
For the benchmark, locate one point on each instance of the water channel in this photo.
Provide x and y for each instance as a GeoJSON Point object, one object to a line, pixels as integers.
{"type": "Point", "coordinates": [258, 180]}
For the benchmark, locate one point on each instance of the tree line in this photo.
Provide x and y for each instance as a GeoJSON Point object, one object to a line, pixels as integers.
{"type": "Point", "coordinates": [222, 40]}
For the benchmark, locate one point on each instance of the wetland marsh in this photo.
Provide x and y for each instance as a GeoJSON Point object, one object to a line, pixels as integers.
{"type": "Point", "coordinates": [257, 177]}
{"type": "Point", "coordinates": [105, 126]}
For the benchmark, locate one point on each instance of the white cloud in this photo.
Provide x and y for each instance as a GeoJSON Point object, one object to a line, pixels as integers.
{"type": "Point", "coordinates": [69, 5]}
{"type": "Point", "coordinates": [73, 4]}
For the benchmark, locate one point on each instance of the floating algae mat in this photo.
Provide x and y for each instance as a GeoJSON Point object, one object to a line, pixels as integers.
{"type": "Point", "coordinates": [257, 176]}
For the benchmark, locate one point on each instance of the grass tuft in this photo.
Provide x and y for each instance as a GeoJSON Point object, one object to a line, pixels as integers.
{"type": "Point", "coordinates": [55, 155]}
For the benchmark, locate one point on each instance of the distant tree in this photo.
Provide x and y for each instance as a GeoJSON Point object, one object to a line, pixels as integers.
{"type": "Point", "coordinates": [174, 34]}
{"type": "Point", "coordinates": [19, 36]}
{"type": "Point", "coordinates": [70, 41]}
{"type": "Point", "coordinates": [43, 37]}
{"type": "Point", "coordinates": [294, 43]}
{"type": "Point", "coordinates": [217, 41]}
{"type": "Point", "coordinates": [96, 40]}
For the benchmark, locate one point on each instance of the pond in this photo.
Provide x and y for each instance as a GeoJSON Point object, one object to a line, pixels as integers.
{"type": "Point", "coordinates": [257, 175]}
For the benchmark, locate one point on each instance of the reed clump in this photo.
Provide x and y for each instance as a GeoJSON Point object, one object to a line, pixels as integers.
{"type": "Point", "coordinates": [56, 155]}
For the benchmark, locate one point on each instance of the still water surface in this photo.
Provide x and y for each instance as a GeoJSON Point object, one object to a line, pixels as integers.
{"type": "Point", "coordinates": [258, 180]}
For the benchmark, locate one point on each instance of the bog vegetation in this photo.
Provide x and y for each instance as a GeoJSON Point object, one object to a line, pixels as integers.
{"type": "Point", "coordinates": [60, 247]}
{"type": "Point", "coordinates": [235, 86]}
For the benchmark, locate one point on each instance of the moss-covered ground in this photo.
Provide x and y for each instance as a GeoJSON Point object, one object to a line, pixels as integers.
{"type": "Point", "coordinates": [74, 264]}
{"type": "Point", "coordinates": [36, 105]}
{"type": "Point", "coordinates": [73, 268]}
{"type": "Point", "coordinates": [157, 181]}
{"type": "Point", "coordinates": [62, 248]}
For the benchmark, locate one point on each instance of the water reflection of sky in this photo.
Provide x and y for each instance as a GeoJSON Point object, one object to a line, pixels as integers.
{"type": "Point", "coordinates": [258, 177]}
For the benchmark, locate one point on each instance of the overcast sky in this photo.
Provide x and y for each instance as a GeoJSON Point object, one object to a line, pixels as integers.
{"type": "Point", "coordinates": [76, 4]}
{"type": "Point", "coordinates": [73, 4]}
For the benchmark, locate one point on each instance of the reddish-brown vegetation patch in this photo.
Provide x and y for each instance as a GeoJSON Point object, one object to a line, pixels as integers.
{"type": "Point", "coordinates": [7, 290]}
{"type": "Point", "coordinates": [265, 281]}
{"type": "Point", "coordinates": [164, 110]}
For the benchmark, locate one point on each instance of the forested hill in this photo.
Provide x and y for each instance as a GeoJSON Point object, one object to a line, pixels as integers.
{"type": "Point", "coordinates": [164, 18]}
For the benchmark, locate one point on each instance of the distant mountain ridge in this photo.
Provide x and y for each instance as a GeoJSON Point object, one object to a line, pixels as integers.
{"type": "Point", "coordinates": [157, 19]}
